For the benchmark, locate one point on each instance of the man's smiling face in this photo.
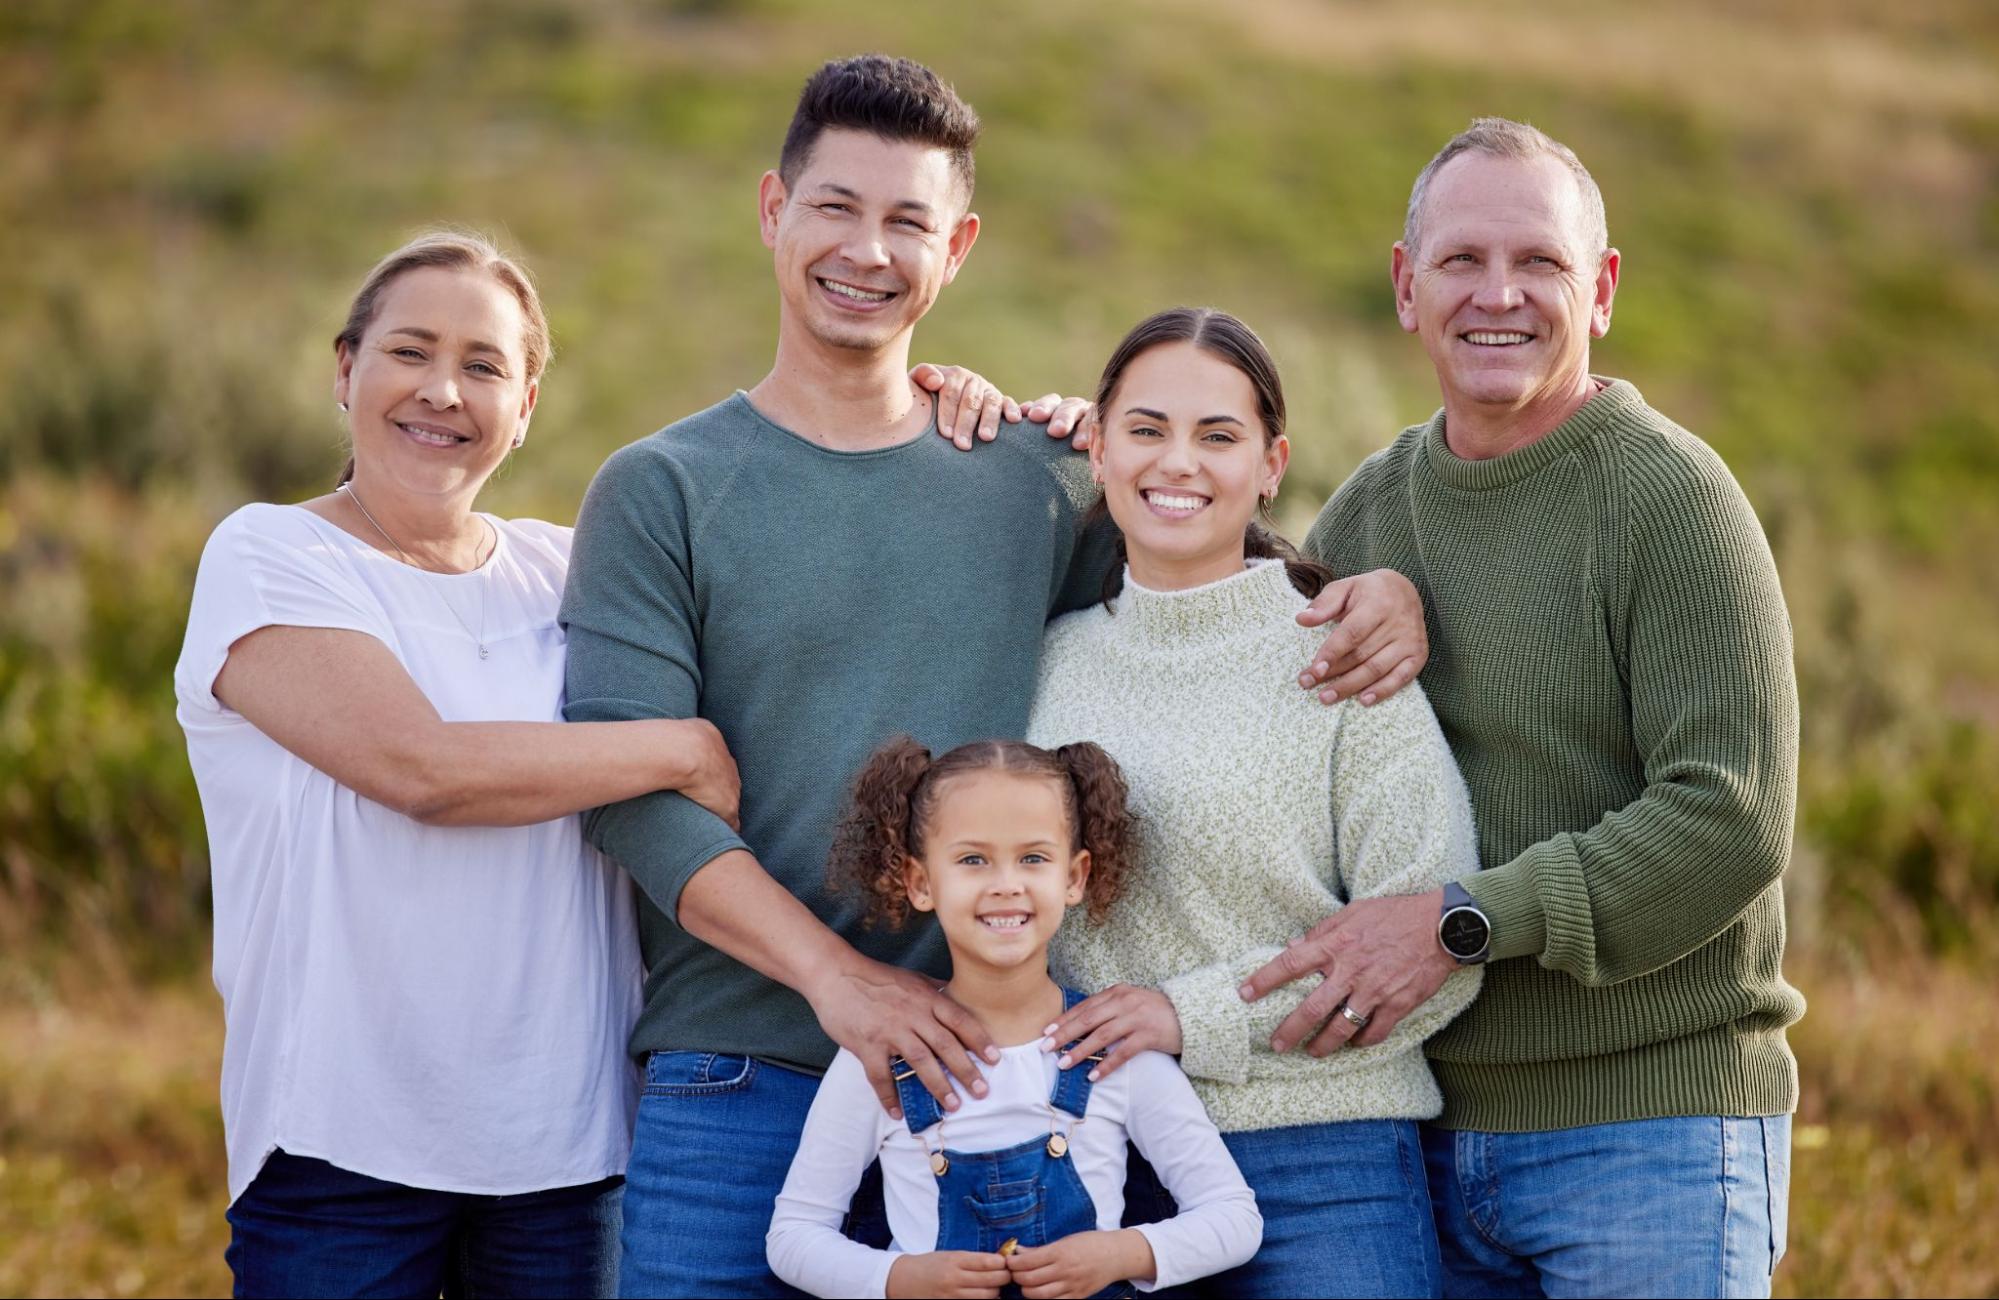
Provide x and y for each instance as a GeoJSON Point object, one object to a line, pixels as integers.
{"type": "Point", "coordinates": [867, 236]}
{"type": "Point", "coordinates": [1503, 289]}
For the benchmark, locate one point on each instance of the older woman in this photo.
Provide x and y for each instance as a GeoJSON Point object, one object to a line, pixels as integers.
{"type": "Point", "coordinates": [428, 978]}
{"type": "Point", "coordinates": [424, 1078]}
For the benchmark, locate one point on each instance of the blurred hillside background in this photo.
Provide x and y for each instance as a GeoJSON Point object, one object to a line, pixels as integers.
{"type": "Point", "coordinates": [1806, 193]}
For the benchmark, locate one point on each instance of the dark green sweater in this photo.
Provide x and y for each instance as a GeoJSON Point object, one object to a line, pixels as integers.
{"type": "Point", "coordinates": [811, 604]}
{"type": "Point", "coordinates": [1611, 662]}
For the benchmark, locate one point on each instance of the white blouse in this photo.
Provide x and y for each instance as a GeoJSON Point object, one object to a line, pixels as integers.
{"type": "Point", "coordinates": [441, 1007]}
{"type": "Point", "coordinates": [1147, 1101]}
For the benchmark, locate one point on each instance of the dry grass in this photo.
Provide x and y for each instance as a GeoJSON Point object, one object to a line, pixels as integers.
{"type": "Point", "coordinates": [111, 1170]}
{"type": "Point", "coordinates": [1895, 1166]}
{"type": "Point", "coordinates": [111, 1166]}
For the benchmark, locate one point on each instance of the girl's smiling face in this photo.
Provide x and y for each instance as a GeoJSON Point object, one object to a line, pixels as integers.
{"type": "Point", "coordinates": [1184, 458]}
{"type": "Point", "coordinates": [998, 867]}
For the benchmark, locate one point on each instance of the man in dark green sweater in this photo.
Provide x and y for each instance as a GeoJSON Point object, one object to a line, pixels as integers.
{"type": "Point", "coordinates": [811, 569]}
{"type": "Point", "coordinates": [1611, 661]}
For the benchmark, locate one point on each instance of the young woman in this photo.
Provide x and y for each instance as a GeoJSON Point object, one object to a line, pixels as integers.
{"type": "Point", "coordinates": [1259, 812]}
{"type": "Point", "coordinates": [428, 978]}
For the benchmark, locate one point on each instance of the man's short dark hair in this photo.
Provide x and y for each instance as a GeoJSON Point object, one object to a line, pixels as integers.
{"type": "Point", "coordinates": [895, 99]}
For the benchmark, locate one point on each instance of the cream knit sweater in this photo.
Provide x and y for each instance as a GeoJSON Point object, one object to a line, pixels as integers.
{"type": "Point", "coordinates": [1260, 812]}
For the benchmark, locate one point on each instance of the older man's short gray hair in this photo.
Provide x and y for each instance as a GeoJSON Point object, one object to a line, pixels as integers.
{"type": "Point", "coordinates": [1500, 137]}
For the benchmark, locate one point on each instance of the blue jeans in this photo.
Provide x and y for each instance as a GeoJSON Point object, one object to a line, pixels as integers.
{"type": "Point", "coordinates": [714, 1142]}
{"type": "Point", "coordinates": [1656, 1207]}
{"type": "Point", "coordinates": [308, 1228]}
{"type": "Point", "coordinates": [1346, 1212]}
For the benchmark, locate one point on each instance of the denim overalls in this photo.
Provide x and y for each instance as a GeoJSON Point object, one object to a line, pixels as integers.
{"type": "Point", "coordinates": [1029, 1193]}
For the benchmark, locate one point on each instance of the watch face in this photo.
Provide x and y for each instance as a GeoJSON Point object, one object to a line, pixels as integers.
{"type": "Point", "coordinates": [1464, 932]}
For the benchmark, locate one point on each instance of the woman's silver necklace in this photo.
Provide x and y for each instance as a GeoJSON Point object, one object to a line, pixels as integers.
{"type": "Point", "coordinates": [478, 638]}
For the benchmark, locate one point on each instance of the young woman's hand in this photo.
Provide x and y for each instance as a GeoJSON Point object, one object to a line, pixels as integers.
{"type": "Point", "coordinates": [947, 1273]}
{"type": "Point", "coordinates": [1081, 1264]}
{"type": "Point", "coordinates": [1131, 1018]}
{"type": "Point", "coordinates": [703, 768]}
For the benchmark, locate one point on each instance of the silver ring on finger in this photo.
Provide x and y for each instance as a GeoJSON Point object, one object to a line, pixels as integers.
{"type": "Point", "coordinates": [1354, 1018]}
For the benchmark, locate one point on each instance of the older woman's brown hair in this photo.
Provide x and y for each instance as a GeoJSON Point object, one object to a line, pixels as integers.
{"type": "Point", "coordinates": [449, 250]}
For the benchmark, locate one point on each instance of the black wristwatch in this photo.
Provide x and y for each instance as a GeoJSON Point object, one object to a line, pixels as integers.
{"type": "Point", "coordinates": [1463, 930]}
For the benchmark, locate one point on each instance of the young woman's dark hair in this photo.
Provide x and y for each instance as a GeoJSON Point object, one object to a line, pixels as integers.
{"type": "Point", "coordinates": [896, 99]}
{"type": "Point", "coordinates": [1227, 338]}
{"type": "Point", "coordinates": [896, 791]}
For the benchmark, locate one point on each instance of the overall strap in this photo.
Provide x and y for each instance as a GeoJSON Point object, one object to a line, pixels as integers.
{"type": "Point", "coordinates": [1071, 1094]}
{"type": "Point", "coordinates": [919, 1109]}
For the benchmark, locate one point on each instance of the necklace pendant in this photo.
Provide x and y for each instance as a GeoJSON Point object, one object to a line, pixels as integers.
{"type": "Point", "coordinates": [1058, 1145]}
{"type": "Point", "coordinates": [940, 1164]}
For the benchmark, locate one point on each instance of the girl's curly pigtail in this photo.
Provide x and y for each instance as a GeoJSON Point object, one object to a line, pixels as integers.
{"type": "Point", "coordinates": [875, 837]}
{"type": "Point", "coordinates": [1103, 822]}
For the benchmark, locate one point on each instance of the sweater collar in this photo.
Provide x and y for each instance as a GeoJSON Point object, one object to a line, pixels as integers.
{"type": "Point", "coordinates": [1598, 413]}
{"type": "Point", "coordinates": [1214, 612]}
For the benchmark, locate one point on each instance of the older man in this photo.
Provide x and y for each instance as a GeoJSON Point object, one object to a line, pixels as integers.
{"type": "Point", "coordinates": [1611, 660]}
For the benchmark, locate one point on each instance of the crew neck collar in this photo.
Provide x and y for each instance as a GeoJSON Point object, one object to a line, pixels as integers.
{"type": "Point", "coordinates": [929, 430]}
{"type": "Point", "coordinates": [1615, 399]}
{"type": "Point", "coordinates": [1214, 611]}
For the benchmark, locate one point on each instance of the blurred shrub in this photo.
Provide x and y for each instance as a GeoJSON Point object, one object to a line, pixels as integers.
{"type": "Point", "coordinates": [1909, 822]}
{"type": "Point", "coordinates": [99, 825]}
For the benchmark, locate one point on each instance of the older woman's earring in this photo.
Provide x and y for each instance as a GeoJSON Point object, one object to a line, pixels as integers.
{"type": "Point", "coordinates": [342, 406]}
{"type": "Point", "coordinates": [519, 438]}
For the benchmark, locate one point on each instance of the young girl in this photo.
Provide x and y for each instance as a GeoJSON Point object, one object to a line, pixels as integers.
{"type": "Point", "coordinates": [1023, 1188]}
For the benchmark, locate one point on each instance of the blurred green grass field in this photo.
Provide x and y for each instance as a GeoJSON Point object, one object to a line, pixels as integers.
{"type": "Point", "coordinates": [1806, 196]}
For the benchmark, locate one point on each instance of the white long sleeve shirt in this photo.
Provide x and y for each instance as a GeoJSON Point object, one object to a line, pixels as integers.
{"type": "Point", "coordinates": [1148, 1101]}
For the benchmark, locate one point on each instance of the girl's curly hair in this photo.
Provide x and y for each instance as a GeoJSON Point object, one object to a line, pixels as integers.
{"type": "Point", "coordinates": [896, 791]}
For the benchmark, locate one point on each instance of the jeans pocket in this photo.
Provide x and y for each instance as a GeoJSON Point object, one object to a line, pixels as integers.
{"type": "Point", "coordinates": [1777, 1180]}
{"type": "Point", "coordinates": [697, 1074]}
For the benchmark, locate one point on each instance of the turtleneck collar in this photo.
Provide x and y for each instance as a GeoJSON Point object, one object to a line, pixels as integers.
{"type": "Point", "coordinates": [1595, 414]}
{"type": "Point", "coordinates": [1213, 612]}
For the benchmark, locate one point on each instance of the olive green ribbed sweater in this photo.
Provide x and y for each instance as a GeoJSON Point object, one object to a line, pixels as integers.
{"type": "Point", "coordinates": [1611, 663]}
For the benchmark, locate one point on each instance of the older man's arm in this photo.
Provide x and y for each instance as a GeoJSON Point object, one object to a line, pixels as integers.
{"type": "Point", "coordinates": [1714, 716]}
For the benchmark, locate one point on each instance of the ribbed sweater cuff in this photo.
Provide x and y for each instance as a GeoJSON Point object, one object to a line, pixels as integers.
{"type": "Point", "coordinates": [1214, 1024]}
{"type": "Point", "coordinates": [1508, 897]}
